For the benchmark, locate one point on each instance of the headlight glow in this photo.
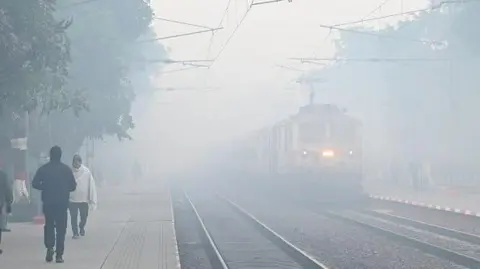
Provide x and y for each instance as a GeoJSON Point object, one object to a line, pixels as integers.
{"type": "Point", "coordinates": [328, 153]}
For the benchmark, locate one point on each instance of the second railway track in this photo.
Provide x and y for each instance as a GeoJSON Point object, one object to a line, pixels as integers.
{"type": "Point", "coordinates": [456, 246]}
{"type": "Point", "coordinates": [447, 218]}
{"type": "Point", "coordinates": [233, 238]}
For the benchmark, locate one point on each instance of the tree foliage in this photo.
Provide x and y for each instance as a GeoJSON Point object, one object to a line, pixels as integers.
{"type": "Point", "coordinates": [34, 57]}
{"type": "Point", "coordinates": [105, 53]}
{"type": "Point", "coordinates": [422, 107]}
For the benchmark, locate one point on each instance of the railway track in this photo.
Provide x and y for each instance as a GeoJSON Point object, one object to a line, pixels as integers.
{"type": "Point", "coordinates": [456, 234]}
{"type": "Point", "coordinates": [458, 247]}
{"type": "Point", "coordinates": [234, 238]}
{"type": "Point", "coordinates": [448, 217]}
{"type": "Point", "coordinates": [455, 245]}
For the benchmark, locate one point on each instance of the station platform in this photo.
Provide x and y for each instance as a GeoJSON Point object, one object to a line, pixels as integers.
{"type": "Point", "coordinates": [131, 229]}
{"type": "Point", "coordinates": [461, 201]}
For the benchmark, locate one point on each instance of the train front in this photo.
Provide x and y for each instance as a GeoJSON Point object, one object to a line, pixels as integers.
{"type": "Point", "coordinates": [328, 154]}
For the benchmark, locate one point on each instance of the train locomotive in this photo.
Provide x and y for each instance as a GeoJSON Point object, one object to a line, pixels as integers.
{"type": "Point", "coordinates": [319, 147]}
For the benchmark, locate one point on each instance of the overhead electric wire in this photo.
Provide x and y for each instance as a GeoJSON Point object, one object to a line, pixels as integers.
{"type": "Point", "coordinates": [437, 6]}
{"type": "Point", "coordinates": [375, 59]}
{"type": "Point", "coordinates": [323, 42]}
{"type": "Point", "coordinates": [253, 3]}
{"type": "Point", "coordinates": [388, 16]}
{"type": "Point", "coordinates": [376, 9]}
{"type": "Point", "coordinates": [312, 62]}
{"type": "Point", "coordinates": [184, 23]}
{"type": "Point", "coordinates": [269, 2]}
{"type": "Point", "coordinates": [431, 42]}
{"type": "Point", "coordinates": [325, 39]}
{"type": "Point", "coordinates": [178, 70]}
{"type": "Point", "coordinates": [179, 35]}
{"type": "Point", "coordinates": [233, 34]}
{"type": "Point", "coordinates": [410, 12]}
{"type": "Point", "coordinates": [195, 65]}
{"type": "Point", "coordinates": [224, 15]}
{"type": "Point", "coordinates": [206, 30]}
{"type": "Point", "coordinates": [225, 12]}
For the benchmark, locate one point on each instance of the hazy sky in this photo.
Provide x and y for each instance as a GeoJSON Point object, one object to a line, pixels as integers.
{"type": "Point", "coordinates": [246, 72]}
{"type": "Point", "coordinates": [253, 92]}
{"type": "Point", "coordinates": [270, 34]}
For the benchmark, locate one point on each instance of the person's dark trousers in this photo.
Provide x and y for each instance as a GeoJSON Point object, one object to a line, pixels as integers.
{"type": "Point", "coordinates": [56, 217]}
{"type": "Point", "coordinates": [75, 210]}
{"type": "Point", "coordinates": [1, 251]}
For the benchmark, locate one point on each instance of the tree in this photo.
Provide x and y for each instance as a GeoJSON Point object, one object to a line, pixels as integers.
{"type": "Point", "coordinates": [421, 108]}
{"type": "Point", "coordinates": [104, 50]}
{"type": "Point", "coordinates": [34, 57]}
{"type": "Point", "coordinates": [34, 60]}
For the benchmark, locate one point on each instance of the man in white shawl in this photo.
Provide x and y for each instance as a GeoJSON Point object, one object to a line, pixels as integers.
{"type": "Point", "coordinates": [84, 197]}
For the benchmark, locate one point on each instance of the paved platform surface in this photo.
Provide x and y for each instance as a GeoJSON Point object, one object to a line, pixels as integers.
{"type": "Point", "coordinates": [131, 229]}
{"type": "Point", "coordinates": [441, 198]}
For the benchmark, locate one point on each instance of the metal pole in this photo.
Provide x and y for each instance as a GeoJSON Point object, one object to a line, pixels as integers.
{"type": "Point", "coordinates": [452, 98]}
{"type": "Point", "coordinates": [312, 94]}
{"type": "Point", "coordinates": [50, 140]}
{"type": "Point", "coordinates": [87, 151]}
{"type": "Point", "coordinates": [27, 132]}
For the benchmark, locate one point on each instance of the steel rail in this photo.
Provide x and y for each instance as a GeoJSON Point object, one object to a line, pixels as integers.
{"type": "Point", "coordinates": [300, 256]}
{"type": "Point", "coordinates": [463, 236]}
{"type": "Point", "coordinates": [218, 261]}
{"type": "Point", "coordinates": [452, 256]}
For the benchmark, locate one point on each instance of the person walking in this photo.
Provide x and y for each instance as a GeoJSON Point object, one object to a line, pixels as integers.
{"type": "Point", "coordinates": [6, 200]}
{"type": "Point", "coordinates": [415, 175]}
{"type": "Point", "coordinates": [84, 197]}
{"type": "Point", "coordinates": [136, 171]}
{"type": "Point", "coordinates": [55, 180]}
{"type": "Point", "coordinates": [4, 217]}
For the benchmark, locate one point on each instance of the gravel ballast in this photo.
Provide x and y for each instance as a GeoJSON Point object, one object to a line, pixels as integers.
{"type": "Point", "coordinates": [333, 242]}
{"type": "Point", "coordinates": [445, 242]}
{"type": "Point", "coordinates": [191, 251]}
{"type": "Point", "coordinates": [464, 223]}
{"type": "Point", "coordinates": [239, 242]}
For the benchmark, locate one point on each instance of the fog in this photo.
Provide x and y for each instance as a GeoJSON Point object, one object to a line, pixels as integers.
{"type": "Point", "coordinates": [406, 107]}
{"type": "Point", "coordinates": [315, 115]}
{"type": "Point", "coordinates": [177, 129]}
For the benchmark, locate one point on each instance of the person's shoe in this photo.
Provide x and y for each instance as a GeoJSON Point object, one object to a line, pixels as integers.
{"type": "Point", "coordinates": [75, 236]}
{"type": "Point", "coordinates": [59, 259]}
{"type": "Point", "coordinates": [49, 256]}
{"type": "Point", "coordinates": [82, 232]}
{"type": "Point", "coordinates": [6, 230]}
{"type": "Point", "coordinates": [1, 251]}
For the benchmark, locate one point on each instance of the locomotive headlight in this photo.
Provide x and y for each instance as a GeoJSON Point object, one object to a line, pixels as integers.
{"type": "Point", "coordinates": [350, 152]}
{"type": "Point", "coordinates": [328, 153]}
{"type": "Point", "coordinates": [305, 153]}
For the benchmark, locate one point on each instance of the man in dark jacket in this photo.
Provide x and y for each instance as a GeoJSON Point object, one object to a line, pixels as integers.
{"type": "Point", "coordinates": [3, 213]}
{"type": "Point", "coordinates": [55, 180]}
{"type": "Point", "coordinates": [6, 198]}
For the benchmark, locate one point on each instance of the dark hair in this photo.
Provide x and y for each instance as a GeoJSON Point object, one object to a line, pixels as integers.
{"type": "Point", "coordinates": [77, 157]}
{"type": "Point", "coordinates": [55, 153]}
